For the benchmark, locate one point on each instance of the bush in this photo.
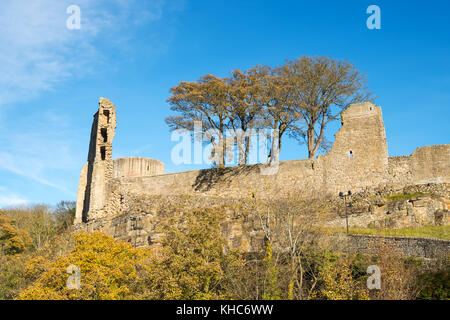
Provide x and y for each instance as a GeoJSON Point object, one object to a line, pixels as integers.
{"type": "Point", "coordinates": [192, 263]}
{"type": "Point", "coordinates": [12, 239]}
{"type": "Point", "coordinates": [109, 270]}
{"type": "Point", "coordinates": [435, 285]}
{"type": "Point", "coordinates": [12, 269]}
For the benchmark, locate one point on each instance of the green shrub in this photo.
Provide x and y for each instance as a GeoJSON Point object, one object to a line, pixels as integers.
{"type": "Point", "coordinates": [435, 285]}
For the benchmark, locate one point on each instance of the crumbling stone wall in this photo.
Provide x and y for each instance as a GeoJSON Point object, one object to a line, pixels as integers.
{"type": "Point", "coordinates": [429, 164]}
{"type": "Point", "coordinates": [358, 161]}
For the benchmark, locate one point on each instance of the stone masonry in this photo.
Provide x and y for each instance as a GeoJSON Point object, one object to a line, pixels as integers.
{"type": "Point", "coordinates": [358, 161]}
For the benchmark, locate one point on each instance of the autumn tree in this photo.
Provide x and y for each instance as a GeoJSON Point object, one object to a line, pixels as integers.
{"type": "Point", "coordinates": [322, 89]}
{"type": "Point", "coordinates": [109, 271]}
{"type": "Point", "coordinates": [290, 223]}
{"type": "Point", "coordinates": [38, 220]}
{"type": "Point", "coordinates": [193, 262]}
{"type": "Point", "coordinates": [261, 99]}
{"type": "Point", "coordinates": [299, 98]}
{"type": "Point", "coordinates": [279, 113]}
{"type": "Point", "coordinates": [12, 275]}
{"type": "Point", "coordinates": [337, 281]}
{"type": "Point", "coordinates": [12, 239]}
{"type": "Point", "coordinates": [203, 101]}
{"type": "Point", "coordinates": [246, 104]}
{"type": "Point", "coordinates": [64, 215]}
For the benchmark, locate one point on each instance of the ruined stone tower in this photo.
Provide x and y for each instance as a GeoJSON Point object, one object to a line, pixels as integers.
{"type": "Point", "coordinates": [99, 168]}
{"type": "Point", "coordinates": [99, 176]}
{"type": "Point", "coordinates": [359, 156]}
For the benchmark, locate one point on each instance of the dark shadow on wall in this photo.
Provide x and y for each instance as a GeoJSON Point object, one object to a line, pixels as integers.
{"type": "Point", "coordinates": [91, 159]}
{"type": "Point", "coordinates": [209, 178]}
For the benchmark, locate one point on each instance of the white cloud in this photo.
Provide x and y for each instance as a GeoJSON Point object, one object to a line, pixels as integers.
{"type": "Point", "coordinates": [38, 51]}
{"type": "Point", "coordinates": [31, 170]}
{"type": "Point", "coordinates": [10, 199]}
{"type": "Point", "coordinates": [40, 151]}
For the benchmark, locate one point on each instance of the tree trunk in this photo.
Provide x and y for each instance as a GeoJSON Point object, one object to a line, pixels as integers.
{"type": "Point", "coordinates": [275, 148]}
{"type": "Point", "coordinates": [240, 138]}
{"type": "Point", "coordinates": [247, 148]}
{"type": "Point", "coordinates": [291, 280]}
{"type": "Point", "coordinates": [224, 145]}
{"type": "Point", "coordinates": [310, 138]}
{"type": "Point", "coordinates": [313, 145]}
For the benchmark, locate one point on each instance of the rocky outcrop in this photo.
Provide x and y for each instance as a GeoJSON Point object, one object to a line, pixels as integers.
{"type": "Point", "coordinates": [415, 206]}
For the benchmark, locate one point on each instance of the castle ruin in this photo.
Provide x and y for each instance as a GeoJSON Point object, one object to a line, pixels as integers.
{"type": "Point", "coordinates": [357, 161]}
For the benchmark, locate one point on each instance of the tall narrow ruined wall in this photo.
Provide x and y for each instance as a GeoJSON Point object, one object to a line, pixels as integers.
{"type": "Point", "coordinates": [359, 156]}
{"type": "Point", "coordinates": [98, 171]}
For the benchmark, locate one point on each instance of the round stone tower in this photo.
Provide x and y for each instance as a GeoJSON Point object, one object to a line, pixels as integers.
{"type": "Point", "coordinates": [137, 167]}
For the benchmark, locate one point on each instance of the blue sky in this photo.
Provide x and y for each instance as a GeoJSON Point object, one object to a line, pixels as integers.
{"type": "Point", "coordinates": [132, 52]}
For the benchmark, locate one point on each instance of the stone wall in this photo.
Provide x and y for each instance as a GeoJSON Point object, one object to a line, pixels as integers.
{"type": "Point", "coordinates": [229, 182]}
{"type": "Point", "coordinates": [357, 160]}
{"type": "Point", "coordinates": [429, 164]}
{"type": "Point", "coordinates": [409, 246]}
